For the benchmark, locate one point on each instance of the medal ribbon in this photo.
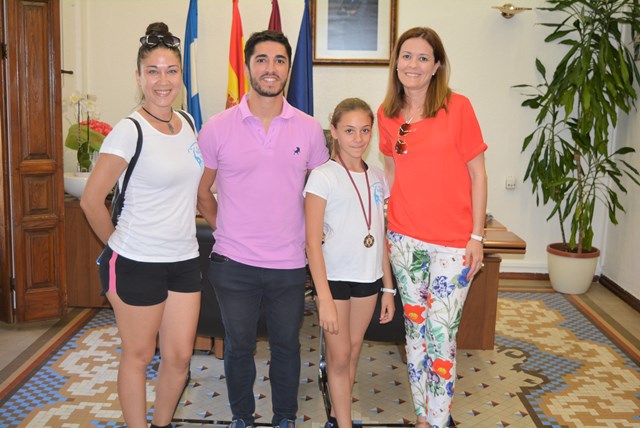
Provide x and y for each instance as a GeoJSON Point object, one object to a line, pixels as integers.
{"type": "Point", "coordinates": [366, 176]}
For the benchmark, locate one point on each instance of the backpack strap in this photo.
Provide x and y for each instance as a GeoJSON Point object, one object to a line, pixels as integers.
{"type": "Point", "coordinates": [117, 201]}
{"type": "Point", "coordinates": [188, 118]}
{"type": "Point", "coordinates": [134, 159]}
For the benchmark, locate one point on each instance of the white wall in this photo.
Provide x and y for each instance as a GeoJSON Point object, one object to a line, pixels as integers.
{"type": "Point", "coordinates": [623, 242]}
{"type": "Point", "coordinates": [488, 54]}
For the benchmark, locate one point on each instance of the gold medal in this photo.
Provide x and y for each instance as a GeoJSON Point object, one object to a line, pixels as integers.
{"type": "Point", "coordinates": [368, 241]}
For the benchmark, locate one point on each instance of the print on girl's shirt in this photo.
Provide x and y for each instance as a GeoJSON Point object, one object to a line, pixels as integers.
{"type": "Point", "coordinates": [378, 193]}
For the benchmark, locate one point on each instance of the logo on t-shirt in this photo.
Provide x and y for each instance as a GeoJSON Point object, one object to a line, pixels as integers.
{"type": "Point", "coordinates": [194, 149]}
{"type": "Point", "coordinates": [296, 151]}
{"type": "Point", "coordinates": [378, 193]}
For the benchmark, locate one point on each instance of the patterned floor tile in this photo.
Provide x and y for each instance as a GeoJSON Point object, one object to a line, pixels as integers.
{"type": "Point", "coordinates": [551, 367]}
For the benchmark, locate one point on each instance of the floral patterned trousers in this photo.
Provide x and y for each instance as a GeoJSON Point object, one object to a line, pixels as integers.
{"type": "Point", "coordinates": [432, 281]}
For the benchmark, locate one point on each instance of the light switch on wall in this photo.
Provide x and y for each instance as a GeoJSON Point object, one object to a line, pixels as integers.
{"type": "Point", "coordinates": [510, 182]}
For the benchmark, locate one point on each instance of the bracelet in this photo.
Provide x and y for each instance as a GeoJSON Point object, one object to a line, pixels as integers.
{"type": "Point", "coordinates": [478, 238]}
{"type": "Point", "coordinates": [389, 290]}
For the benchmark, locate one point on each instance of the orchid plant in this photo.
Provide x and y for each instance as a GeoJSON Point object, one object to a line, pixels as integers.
{"type": "Point", "coordinates": [86, 132]}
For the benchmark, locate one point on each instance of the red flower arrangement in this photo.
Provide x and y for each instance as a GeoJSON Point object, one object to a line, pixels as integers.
{"type": "Point", "coordinates": [86, 140]}
{"type": "Point", "coordinates": [79, 134]}
{"type": "Point", "coordinates": [100, 127]}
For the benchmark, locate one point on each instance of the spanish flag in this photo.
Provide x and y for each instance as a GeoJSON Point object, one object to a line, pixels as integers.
{"type": "Point", "coordinates": [238, 84]}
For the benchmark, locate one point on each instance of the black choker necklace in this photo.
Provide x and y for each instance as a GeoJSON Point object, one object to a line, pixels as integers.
{"type": "Point", "coordinates": [168, 122]}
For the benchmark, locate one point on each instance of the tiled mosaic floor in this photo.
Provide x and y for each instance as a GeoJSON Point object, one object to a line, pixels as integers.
{"type": "Point", "coordinates": [552, 367]}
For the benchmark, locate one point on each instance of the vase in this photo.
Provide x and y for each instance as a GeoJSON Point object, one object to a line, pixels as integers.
{"type": "Point", "coordinates": [74, 183]}
{"type": "Point", "coordinates": [84, 169]}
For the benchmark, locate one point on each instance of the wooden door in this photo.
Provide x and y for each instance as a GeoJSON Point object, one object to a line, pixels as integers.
{"type": "Point", "coordinates": [6, 313]}
{"type": "Point", "coordinates": [34, 137]}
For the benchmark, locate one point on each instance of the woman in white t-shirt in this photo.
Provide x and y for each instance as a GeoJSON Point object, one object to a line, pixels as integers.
{"type": "Point", "coordinates": [346, 248]}
{"type": "Point", "coordinates": [150, 270]}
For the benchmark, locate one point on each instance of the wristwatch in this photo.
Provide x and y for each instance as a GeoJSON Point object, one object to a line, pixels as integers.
{"type": "Point", "coordinates": [389, 290]}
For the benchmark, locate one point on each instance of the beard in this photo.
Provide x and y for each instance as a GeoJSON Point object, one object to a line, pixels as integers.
{"type": "Point", "coordinates": [266, 92]}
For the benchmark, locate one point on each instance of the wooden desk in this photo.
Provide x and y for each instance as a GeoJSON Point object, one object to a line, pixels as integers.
{"type": "Point", "coordinates": [82, 250]}
{"type": "Point", "coordinates": [478, 323]}
{"type": "Point", "coordinates": [503, 242]}
{"type": "Point", "coordinates": [494, 224]}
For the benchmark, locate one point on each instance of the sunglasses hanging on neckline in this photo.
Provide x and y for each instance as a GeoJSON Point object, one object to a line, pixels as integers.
{"type": "Point", "coordinates": [401, 144]}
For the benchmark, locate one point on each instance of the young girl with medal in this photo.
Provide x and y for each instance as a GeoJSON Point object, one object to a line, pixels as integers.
{"type": "Point", "coordinates": [346, 248]}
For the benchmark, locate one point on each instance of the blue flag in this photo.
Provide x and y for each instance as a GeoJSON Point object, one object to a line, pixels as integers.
{"type": "Point", "coordinates": [300, 93]}
{"type": "Point", "coordinates": [189, 75]}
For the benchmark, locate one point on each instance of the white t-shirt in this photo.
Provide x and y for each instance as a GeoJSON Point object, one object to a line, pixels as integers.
{"type": "Point", "coordinates": [346, 258]}
{"type": "Point", "coordinates": [157, 223]}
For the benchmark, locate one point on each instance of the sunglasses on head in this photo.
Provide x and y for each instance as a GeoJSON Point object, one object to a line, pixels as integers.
{"type": "Point", "coordinates": [401, 144]}
{"type": "Point", "coordinates": [153, 40]}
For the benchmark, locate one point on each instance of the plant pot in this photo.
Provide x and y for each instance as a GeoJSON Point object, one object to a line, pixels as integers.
{"type": "Point", "coordinates": [571, 273]}
{"type": "Point", "coordinates": [74, 183]}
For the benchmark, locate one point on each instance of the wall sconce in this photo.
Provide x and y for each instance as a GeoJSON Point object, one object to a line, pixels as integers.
{"type": "Point", "coordinates": [508, 10]}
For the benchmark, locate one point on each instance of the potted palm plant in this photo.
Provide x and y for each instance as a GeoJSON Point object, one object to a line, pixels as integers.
{"type": "Point", "coordinates": [573, 164]}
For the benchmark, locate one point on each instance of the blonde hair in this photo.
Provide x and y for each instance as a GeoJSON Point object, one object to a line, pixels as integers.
{"type": "Point", "coordinates": [438, 92]}
{"type": "Point", "coordinates": [345, 106]}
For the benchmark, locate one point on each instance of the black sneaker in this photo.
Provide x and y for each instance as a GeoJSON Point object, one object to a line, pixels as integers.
{"type": "Point", "coordinates": [331, 423]}
{"type": "Point", "coordinates": [451, 423]}
{"type": "Point", "coordinates": [239, 423]}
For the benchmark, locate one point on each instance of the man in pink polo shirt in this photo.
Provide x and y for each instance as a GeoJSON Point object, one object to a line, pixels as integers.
{"type": "Point", "coordinates": [258, 153]}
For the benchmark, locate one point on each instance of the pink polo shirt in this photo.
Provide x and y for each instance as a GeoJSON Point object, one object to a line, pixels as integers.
{"type": "Point", "coordinates": [260, 178]}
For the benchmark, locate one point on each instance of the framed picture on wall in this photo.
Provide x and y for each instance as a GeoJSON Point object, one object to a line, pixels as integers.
{"type": "Point", "coordinates": [353, 31]}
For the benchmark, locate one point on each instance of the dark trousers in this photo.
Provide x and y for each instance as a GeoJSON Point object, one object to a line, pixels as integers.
{"type": "Point", "coordinates": [241, 289]}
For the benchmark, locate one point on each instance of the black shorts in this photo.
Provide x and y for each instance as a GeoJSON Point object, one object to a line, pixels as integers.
{"type": "Point", "coordinates": [144, 283]}
{"type": "Point", "coordinates": [344, 290]}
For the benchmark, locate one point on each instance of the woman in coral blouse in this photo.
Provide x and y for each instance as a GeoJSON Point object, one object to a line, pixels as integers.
{"type": "Point", "coordinates": [434, 161]}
